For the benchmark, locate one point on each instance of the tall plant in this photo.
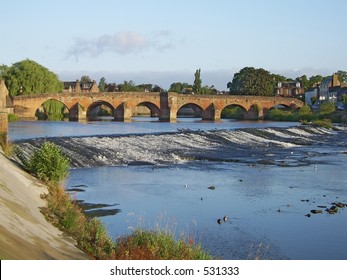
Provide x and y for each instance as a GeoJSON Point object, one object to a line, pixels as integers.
{"type": "Point", "coordinates": [48, 163]}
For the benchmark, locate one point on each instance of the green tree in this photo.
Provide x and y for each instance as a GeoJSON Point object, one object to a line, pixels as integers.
{"type": "Point", "coordinates": [102, 84]}
{"type": "Point", "coordinates": [344, 98]}
{"type": "Point", "coordinates": [278, 78]}
{"type": "Point", "coordinates": [145, 87]}
{"type": "Point", "coordinates": [197, 82]}
{"type": "Point", "coordinates": [128, 86]}
{"type": "Point", "coordinates": [54, 110]}
{"type": "Point", "coordinates": [28, 77]}
{"type": "Point", "coordinates": [85, 79]}
{"type": "Point", "coordinates": [48, 163]}
{"type": "Point", "coordinates": [304, 81]}
{"type": "Point", "coordinates": [251, 81]}
{"type": "Point", "coordinates": [342, 76]}
{"type": "Point", "coordinates": [326, 108]}
{"type": "Point", "coordinates": [314, 80]}
{"type": "Point", "coordinates": [3, 70]}
{"type": "Point", "coordinates": [179, 87]}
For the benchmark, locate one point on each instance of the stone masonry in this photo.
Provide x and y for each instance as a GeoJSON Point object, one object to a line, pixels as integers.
{"type": "Point", "coordinates": [3, 111]}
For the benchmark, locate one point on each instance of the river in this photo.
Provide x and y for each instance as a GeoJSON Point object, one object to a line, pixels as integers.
{"type": "Point", "coordinates": [266, 177]}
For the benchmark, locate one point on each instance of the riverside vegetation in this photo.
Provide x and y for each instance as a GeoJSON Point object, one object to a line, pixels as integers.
{"type": "Point", "coordinates": [324, 117]}
{"type": "Point", "coordinates": [51, 166]}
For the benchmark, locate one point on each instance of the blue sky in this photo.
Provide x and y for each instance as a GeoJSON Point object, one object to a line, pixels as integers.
{"type": "Point", "coordinates": [162, 42]}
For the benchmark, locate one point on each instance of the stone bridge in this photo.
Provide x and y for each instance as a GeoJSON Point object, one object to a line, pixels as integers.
{"type": "Point", "coordinates": [165, 105]}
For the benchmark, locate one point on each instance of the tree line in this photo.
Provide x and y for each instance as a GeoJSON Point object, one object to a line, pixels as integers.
{"type": "Point", "coordinates": [28, 77]}
{"type": "Point", "coordinates": [252, 81]}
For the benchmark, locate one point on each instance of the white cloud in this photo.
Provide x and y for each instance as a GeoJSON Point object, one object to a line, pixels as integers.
{"type": "Point", "coordinates": [121, 43]}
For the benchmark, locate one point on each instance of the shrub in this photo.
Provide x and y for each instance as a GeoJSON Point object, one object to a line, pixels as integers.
{"type": "Point", "coordinates": [48, 163]}
{"type": "Point", "coordinates": [11, 117]}
{"type": "Point", "coordinates": [326, 123]}
{"type": "Point", "coordinates": [326, 108]}
{"type": "Point", "coordinates": [157, 245]}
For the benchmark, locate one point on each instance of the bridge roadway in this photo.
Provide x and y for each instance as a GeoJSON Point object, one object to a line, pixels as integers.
{"type": "Point", "coordinates": [165, 105]}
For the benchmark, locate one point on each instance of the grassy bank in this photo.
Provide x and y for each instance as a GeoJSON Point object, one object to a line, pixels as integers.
{"type": "Point", "coordinates": [49, 165]}
{"type": "Point", "coordinates": [324, 117]}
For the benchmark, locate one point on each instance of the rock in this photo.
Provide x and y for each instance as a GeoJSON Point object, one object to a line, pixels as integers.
{"type": "Point", "coordinates": [339, 204]}
{"type": "Point", "coordinates": [333, 209]}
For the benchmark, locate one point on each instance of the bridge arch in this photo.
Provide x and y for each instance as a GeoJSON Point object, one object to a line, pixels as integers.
{"type": "Point", "coordinates": [191, 109]}
{"type": "Point", "coordinates": [153, 109]}
{"type": "Point", "coordinates": [233, 111]}
{"type": "Point", "coordinates": [99, 108]}
{"type": "Point", "coordinates": [52, 109]}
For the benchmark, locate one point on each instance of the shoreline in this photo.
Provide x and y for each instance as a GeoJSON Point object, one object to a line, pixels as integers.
{"type": "Point", "coordinates": [24, 232]}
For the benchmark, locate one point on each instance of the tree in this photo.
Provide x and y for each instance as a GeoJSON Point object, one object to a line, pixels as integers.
{"type": "Point", "coordinates": [342, 76]}
{"type": "Point", "coordinates": [326, 108]}
{"type": "Point", "coordinates": [303, 81]}
{"type": "Point", "coordinates": [28, 77]}
{"type": "Point", "coordinates": [251, 81]}
{"type": "Point", "coordinates": [179, 87]}
{"type": "Point", "coordinates": [344, 98]}
{"type": "Point", "coordinates": [102, 84]}
{"type": "Point", "coordinates": [3, 70]}
{"type": "Point", "coordinates": [197, 82]}
{"type": "Point", "coordinates": [85, 79]}
{"type": "Point", "coordinates": [128, 86]}
{"type": "Point", "coordinates": [314, 80]}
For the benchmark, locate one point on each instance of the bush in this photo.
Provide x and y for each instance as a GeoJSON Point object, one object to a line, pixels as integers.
{"type": "Point", "coordinates": [281, 115]}
{"type": "Point", "coordinates": [48, 163]}
{"type": "Point", "coordinates": [326, 108]}
{"type": "Point", "coordinates": [11, 117]}
{"type": "Point", "coordinates": [326, 123]}
{"type": "Point", "coordinates": [157, 245]}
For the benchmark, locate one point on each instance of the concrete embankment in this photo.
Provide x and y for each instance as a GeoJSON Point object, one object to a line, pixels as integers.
{"type": "Point", "coordinates": [24, 231]}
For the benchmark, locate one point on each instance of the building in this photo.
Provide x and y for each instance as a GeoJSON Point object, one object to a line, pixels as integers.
{"type": "Point", "coordinates": [289, 89]}
{"type": "Point", "coordinates": [79, 87]}
{"type": "Point", "coordinates": [311, 96]}
{"type": "Point", "coordinates": [327, 88]}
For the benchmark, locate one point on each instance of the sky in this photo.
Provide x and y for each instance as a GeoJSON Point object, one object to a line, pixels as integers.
{"type": "Point", "coordinates": [166, 41]}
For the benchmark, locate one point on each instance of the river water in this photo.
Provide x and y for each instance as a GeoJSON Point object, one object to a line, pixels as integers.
{"type": "Point", "coordinates": [266, 177]}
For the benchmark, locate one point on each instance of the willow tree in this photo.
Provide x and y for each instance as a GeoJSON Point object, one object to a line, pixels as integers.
{"type": "Point", "coordinates": [27, 77]}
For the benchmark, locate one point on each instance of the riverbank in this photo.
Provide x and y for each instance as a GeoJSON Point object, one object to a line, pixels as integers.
{"type": "Point", "coordinates": [24, 231]}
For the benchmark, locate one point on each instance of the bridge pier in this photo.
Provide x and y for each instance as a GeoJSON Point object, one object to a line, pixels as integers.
{"type": "Point", "coordinates": [211, 113]}
{"type": "Point", "coordinates": [77, 113]}
{"type": "Point", "coordinates": [122, 113]}
{"type": "Point", "coordinates": [168, 107]}
{"type": "Point", "coordinates": [3, 113]}
{"type": "Point", "coordinates": [254, 113]}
